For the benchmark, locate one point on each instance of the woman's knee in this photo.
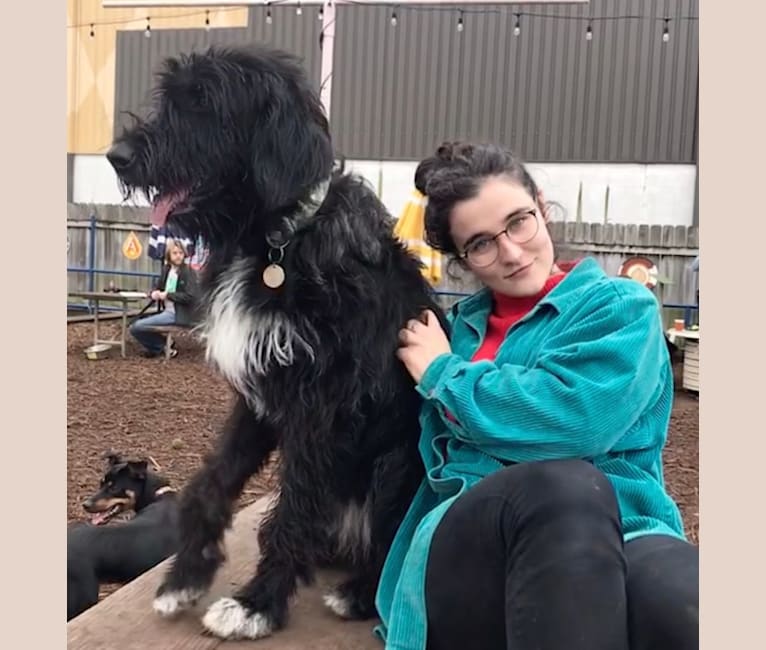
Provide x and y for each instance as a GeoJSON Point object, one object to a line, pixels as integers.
{"type": "Point", "coordinates": [568, 483]}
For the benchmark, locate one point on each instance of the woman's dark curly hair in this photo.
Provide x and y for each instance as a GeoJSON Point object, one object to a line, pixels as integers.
{"type": "Point", "coordinates": [455, 173]}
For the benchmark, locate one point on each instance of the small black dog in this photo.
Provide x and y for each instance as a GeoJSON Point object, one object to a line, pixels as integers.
{"type": "Point", "coordinates": [306, 291]}
{"type": "Point", "coordinates": [119, 553]}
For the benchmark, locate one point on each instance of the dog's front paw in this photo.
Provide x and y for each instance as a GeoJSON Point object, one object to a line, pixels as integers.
{"type": "Point", "coordinates": [168, 602]}
{"type": "Point", "coordinates": [227, 618]}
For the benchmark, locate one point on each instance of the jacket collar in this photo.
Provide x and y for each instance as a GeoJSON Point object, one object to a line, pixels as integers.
{"type": "Point", "coordinates": [586, 272]}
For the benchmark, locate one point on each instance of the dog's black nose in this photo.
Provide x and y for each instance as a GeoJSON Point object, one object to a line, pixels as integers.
{"type": "Point", "coordinates": [120, 155]}
{"type": "Point", "coordinates": [87, 504]}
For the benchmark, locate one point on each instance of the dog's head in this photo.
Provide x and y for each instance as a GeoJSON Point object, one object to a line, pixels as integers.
{"type": "Point", "coordinates": [236, 138]}
{"type": "Point", "coordinates": [121, 486]}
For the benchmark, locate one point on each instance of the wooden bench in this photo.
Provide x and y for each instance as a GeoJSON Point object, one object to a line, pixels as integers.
{"type": "Point", "coordinates": [168, 331]}
{"type": "Point", "coordinates": [125, 620]}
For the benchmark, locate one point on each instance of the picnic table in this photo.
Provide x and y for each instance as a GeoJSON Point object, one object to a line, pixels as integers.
{"type": "Point", "coordinates": [689, 341]}
{"type": "Point", "coordinates": [125, 298]}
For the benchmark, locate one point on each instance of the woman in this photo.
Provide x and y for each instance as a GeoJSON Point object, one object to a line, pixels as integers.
{"type": "Point", "coordinates": [543, 521]}
{"type": "Point", "coordinates": [175, 297]}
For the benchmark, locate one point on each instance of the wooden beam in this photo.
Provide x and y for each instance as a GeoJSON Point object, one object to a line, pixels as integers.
{"type": "Point", "coordinates": [125, 620]}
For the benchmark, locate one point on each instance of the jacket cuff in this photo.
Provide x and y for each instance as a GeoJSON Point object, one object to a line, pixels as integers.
{"type": "Point", "coordinates": [435, 372]}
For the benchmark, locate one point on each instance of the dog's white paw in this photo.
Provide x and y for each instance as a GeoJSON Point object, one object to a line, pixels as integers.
{"type": "Point", "coordinates": [174, 602]}
{"type": "Point", "coordinates": [227, 619]}
{"type": "Point", "coordinates": [337, 604]}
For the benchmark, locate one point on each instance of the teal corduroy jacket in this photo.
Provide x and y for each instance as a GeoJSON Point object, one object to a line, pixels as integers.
{"type": "Point", "coordinates": [585, 374]}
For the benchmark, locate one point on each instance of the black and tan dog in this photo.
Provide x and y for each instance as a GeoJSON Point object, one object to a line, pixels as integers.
{"type": "Point", "coordinates": [120, 552]}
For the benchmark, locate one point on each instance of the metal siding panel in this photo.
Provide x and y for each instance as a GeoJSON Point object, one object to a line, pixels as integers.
{"type": "Point", "coordinates": [138, 58]}
{"type": "Point", "coordinates": [551, 142]}
{"type": "Point", "coordinates": [549, 94]}
{"type": "Point", "coordinates": [503, 86]}
{"type": "Point", "coordinates": [69, 176]}
{"type": "Point", "coordinates": [391, 97]}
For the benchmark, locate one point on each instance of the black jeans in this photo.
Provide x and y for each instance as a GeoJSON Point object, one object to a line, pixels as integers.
{"type": "Point", "coordinates": [533, 557]}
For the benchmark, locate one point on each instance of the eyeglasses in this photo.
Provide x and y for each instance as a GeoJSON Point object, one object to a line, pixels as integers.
{"type": "Point", "coordinates": [520, 229]}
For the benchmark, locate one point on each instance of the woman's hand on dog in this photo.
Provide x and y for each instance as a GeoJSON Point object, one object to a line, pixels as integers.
{"type": "Point", "coordinates": [420, 343]}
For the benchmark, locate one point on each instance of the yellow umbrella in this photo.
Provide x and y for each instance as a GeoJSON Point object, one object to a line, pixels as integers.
{"type": "Point", "coordinates": [410, 229]}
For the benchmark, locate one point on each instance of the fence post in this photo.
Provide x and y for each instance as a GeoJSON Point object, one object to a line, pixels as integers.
{"type": "Point", "coordinates": [91, 257]}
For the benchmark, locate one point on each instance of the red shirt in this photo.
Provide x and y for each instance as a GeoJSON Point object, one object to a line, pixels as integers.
{"type": "Point", "coordinates": [506, 311]}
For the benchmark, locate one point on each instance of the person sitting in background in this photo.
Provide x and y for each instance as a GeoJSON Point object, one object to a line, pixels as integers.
{"type": "Point", "coordinates": [175, 297]}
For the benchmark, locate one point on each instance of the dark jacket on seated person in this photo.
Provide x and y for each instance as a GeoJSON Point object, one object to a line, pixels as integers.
{"type": "Point", "coordinates": [184, 297]}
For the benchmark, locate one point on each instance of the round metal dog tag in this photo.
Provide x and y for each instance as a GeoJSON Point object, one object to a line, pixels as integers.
{"type": "Point", "coordinates": [273, 276]}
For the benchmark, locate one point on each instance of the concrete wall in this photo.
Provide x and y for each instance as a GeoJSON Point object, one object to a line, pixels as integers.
{"type": "Point", "coordinates": [638, 194]}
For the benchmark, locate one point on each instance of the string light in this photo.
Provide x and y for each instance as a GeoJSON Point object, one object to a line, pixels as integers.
{"type": "Point", "coordinates": [395, 18]}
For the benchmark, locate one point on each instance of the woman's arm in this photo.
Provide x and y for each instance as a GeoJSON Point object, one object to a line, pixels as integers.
{"type": "Point", "coordinates": [586, 389]}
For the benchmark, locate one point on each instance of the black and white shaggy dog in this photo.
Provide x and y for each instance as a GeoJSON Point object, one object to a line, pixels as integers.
{"type": "Point", "coordinates": [305, 292]}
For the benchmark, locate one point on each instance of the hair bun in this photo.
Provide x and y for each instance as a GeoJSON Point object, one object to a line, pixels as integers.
{"type": "Point", "coordinates": [446, 154]}
{"type": "Point", "coordinates": [450, 151]}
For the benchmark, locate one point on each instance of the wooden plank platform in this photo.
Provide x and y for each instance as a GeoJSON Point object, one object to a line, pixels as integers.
{"type": "Point", "coordinates": [125, 620]}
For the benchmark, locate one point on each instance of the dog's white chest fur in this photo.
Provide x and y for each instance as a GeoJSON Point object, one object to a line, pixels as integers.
{"type": "Point", "coordinates": [244, 343]}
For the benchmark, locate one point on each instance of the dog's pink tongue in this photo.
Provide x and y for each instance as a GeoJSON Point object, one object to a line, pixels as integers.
{"type": "Point", "coordinates": [98, 518]}
{"type": "Point", "coordinates": [160, 210]}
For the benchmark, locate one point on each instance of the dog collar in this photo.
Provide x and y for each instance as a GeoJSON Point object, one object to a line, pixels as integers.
{"type": "Point", "coordinates": [274, 274]}
{"type": "Point", "coordinates": [278, 239]}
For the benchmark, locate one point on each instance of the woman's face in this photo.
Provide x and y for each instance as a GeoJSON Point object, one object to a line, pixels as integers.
{"type": "Point", "coordinates": [176, 255]}
{"type": "Point", "coordinates": [518, 261]}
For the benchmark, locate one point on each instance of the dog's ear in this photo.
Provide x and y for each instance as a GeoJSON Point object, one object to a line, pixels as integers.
{"type": "Point", "coordinates": [291, 152]}
{"type": "Point", "coordinates": [137, 468]}
{"type": "Point", "coordinates": [112, 458]}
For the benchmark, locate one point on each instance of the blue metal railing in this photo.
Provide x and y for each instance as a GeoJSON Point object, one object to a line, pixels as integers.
{"type": "Point", "coordinates": [92, 272]}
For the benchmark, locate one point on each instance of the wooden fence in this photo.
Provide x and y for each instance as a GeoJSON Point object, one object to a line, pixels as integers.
{"type": "Point", "coordinates": [100, 231]}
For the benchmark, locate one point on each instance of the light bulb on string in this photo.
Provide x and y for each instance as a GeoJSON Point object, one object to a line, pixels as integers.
{"type": "Point", "coordinates": [517, 27]}
{"type": "Point", "coordinates": [298, 10]}
{"type": "Point", "coordinates": [589, 33]}
{"type": "Point", "coordinates": [320, 15]}
{"type": "Point", "coordinates": [394, 20]}
{"type": "Point", "coordinates": [148, 30]}
{"type": "Point", "coordinates": [666, 32]}
{"type": "Point", "coordinates": [460, 22]}
{"type": "Point", "coordinates": [207, 19]}
{"type": "Point", "coordinates": [268, 16]}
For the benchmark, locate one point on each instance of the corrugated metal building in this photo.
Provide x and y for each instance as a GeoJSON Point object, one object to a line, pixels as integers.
{"type": "Point", "coordinates": [624, 96]}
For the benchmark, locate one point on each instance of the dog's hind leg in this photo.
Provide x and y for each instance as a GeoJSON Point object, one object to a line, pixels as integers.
{"type": "Point", "coordinates": [206, 508]}
{"type": "Point", "coordinates": [395, 479]}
